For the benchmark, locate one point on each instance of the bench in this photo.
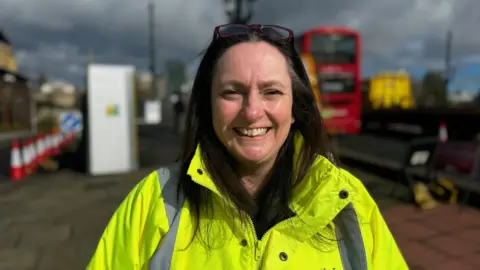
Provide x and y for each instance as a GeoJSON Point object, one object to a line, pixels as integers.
{"type": "Point", "coordinates": [390, 153]}
{"type": "Point", "coordinates": [457, 161]}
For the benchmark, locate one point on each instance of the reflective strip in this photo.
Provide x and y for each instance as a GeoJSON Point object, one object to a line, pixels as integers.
{"type": "Point", "coordinates": [350, 241]}
{"type": "Point", "coordinates": [331, 158]}
{"type": "Point", "coordinates": [168, 177]}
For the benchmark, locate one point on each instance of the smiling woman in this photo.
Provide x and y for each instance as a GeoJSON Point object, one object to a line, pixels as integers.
{"type": "Point", "coordinates": [252, 106]}
{"type": "Point", "coordinates": [254, 187]}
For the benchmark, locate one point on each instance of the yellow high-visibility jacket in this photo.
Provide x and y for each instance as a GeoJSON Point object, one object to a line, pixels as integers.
{"type": "Point", "coordinates": [337, 226]}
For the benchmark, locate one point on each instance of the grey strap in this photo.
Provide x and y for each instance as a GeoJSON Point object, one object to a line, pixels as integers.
{"type": "Point", "coordinates": [168, 177]}
{"type": "Point", "coordinates": [350, 240]}
{"type": "Point", "coordinates": [331, 158]}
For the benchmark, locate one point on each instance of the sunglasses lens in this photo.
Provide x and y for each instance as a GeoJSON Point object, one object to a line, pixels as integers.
{"type": "Point", "coordinates": [274, 32]}
{"type": "Point", "coordinates": [233, 30]}
{"type": "Point", "coordinates": [269, 31]}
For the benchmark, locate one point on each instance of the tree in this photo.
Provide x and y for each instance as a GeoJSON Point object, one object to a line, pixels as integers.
{"type": "Point", "coordinates": [434, 90]}
{"type": "Point", "coordinates": [42, 78]}
{"type": "Point", "coordinates": [476, 100]}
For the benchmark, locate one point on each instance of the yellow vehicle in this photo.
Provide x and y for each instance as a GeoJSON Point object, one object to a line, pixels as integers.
{"type": "Point", "coordinates": [391, 90]}
{"type": "Point", "coordinates": [309, 64]}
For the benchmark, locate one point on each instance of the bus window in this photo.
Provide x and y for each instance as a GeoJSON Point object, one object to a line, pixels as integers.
{"type": "Point", "coordinates": [333, 48]}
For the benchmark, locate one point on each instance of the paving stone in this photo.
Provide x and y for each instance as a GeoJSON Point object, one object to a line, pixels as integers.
{"type": "Point", "coordinates": [60, 257]}
{"type": "Point", "coordinates": [454, 246]}
{"type": "Point", "coordinates": [86, 246]}
{"type": "Point", "coordinates": [402, 213]}
{"type": "Point", "coordinates": [422, 256]}
{"type": "Point", "coordinates": [18, 259]}
{"type": "Point", "coordinates": [451, 221]}
{"type": "Point", "coordinates": [454, 264]}
{"type": "Point", "coordinates": [472, 234]}
{"type": "Point", "coordinates": [472, 260]}
{"type": "Point", "coordinates": [412, 230]}
{"type": "Point", "coordinates": [45, 237]}
{"type": "Point", "coordinates": [80, 220]}
{"type": "Point", "coordinates": [9, 239]}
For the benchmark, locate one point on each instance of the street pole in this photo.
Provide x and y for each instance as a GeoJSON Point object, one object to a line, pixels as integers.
{"type": "Point", "coordinates": [152, 58]}
{"type": "Point", "coordinates": [237, 14]}
{"type": "Point", "coordinates": [238, 11]}
{"type": "Point", "coordinates": [449, 70]}
{"type": "Point", "coordinates": [448, 56]}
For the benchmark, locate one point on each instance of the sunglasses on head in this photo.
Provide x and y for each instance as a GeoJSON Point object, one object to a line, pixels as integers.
{"type": "Point", "coordinates": [273, 32]}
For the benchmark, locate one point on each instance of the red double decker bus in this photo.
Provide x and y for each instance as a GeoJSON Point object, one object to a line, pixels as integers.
{"type": "Point", "coordinates": [331, 55]}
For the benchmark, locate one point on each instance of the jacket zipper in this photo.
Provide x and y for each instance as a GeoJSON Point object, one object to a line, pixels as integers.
{"type": "Point", "coordinates": [257, 241]}
{"type": "Point", "coordinates": [257, 253]}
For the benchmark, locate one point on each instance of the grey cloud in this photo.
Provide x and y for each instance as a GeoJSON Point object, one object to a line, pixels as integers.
{"type": "Point", "coordinates": [302, 15]}
{"type": "Point", "coordinates": [116, 30]}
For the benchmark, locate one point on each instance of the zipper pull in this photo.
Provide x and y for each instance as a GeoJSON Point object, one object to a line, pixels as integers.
{"type": "Point", "coordinates": [258, 254]}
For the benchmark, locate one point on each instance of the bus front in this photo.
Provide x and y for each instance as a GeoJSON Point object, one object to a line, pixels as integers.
{"type": "Point", "coordinates": [336, 53]}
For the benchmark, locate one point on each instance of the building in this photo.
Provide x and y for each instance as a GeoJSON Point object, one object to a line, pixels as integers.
{"type": "Point", "coordinates": [175, 76]}
{"type": "Point", "coordinates": [460, 97]}
{"type": "Point", "coordinates": [7, 58]}
{"type": "Point", "coordinates": [16, 105]}
{"type": "Point", "coordinates": [144, 87]}
{"type": "Point", "coordinates": [144, 93]}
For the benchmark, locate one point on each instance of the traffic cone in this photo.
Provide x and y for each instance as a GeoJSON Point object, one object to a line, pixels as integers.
{"type": "Point", "coordinates": [33, 154]}
{"type": "Point", "coordinates": [16, 166]}
{"type": "Point", "coordinates": [443, 132]}
{"type": "Point", "coordinates": [27, 159]}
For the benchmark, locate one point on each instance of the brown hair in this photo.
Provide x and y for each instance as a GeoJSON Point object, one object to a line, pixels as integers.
{"type": "Point", "coordinates": [221, 165]}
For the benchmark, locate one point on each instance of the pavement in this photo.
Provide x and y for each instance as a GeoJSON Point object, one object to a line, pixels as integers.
{"type": "Point", "coordinates": [447, 237]}
{"type": "Point", "coordinates": [54, 221]}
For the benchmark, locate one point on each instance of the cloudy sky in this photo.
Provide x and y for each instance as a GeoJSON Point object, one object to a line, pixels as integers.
{"type": "Point", "coordinates": [56, 36]}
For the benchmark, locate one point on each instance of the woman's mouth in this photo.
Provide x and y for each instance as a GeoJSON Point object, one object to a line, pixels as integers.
{"type": "Point", "coordinates": [252, 132]}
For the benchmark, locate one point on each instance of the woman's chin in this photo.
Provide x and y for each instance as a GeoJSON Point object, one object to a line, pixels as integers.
{"type": "Point", "coordinates": [251, 155]}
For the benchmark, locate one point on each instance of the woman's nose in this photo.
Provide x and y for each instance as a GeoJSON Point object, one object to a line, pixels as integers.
{"type": "Point", "coordinates": [253, 107]}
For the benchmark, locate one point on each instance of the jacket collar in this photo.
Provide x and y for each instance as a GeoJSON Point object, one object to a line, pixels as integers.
{"type": "Point", "coordinates": [316, 200]}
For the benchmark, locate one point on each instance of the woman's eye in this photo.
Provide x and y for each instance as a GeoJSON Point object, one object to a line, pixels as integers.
{"type": "Point", "coordinates": [273, 92]}
{"type": "Point", "coordinates": [229, 92]}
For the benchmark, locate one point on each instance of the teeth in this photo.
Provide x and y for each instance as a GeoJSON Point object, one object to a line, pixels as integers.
{"type": "Point", "coordinates": [252, 132]}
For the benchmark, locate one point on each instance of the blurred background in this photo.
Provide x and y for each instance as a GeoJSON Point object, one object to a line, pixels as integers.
{"type": "Point", "coordinates": [93, 96]}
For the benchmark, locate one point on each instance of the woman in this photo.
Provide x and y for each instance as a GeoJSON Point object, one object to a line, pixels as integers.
{"type": "Point", "coordinates": [253, 188]}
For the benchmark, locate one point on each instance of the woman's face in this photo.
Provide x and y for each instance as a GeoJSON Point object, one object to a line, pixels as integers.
{"type": "Point", "coordinates": [252, 101]}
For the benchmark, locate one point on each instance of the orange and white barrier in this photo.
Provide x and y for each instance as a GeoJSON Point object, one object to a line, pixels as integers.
{"type": "Point", "coordinates": [28, 154]}
{"type": "Point", "coordinates": [26, 158]}
{"type": "Point", "coordinates": [16, 163]}
{"type": "Point", "coordinates": [40, 145]}
{"type": "Point", "coordinates": [32, 165]}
